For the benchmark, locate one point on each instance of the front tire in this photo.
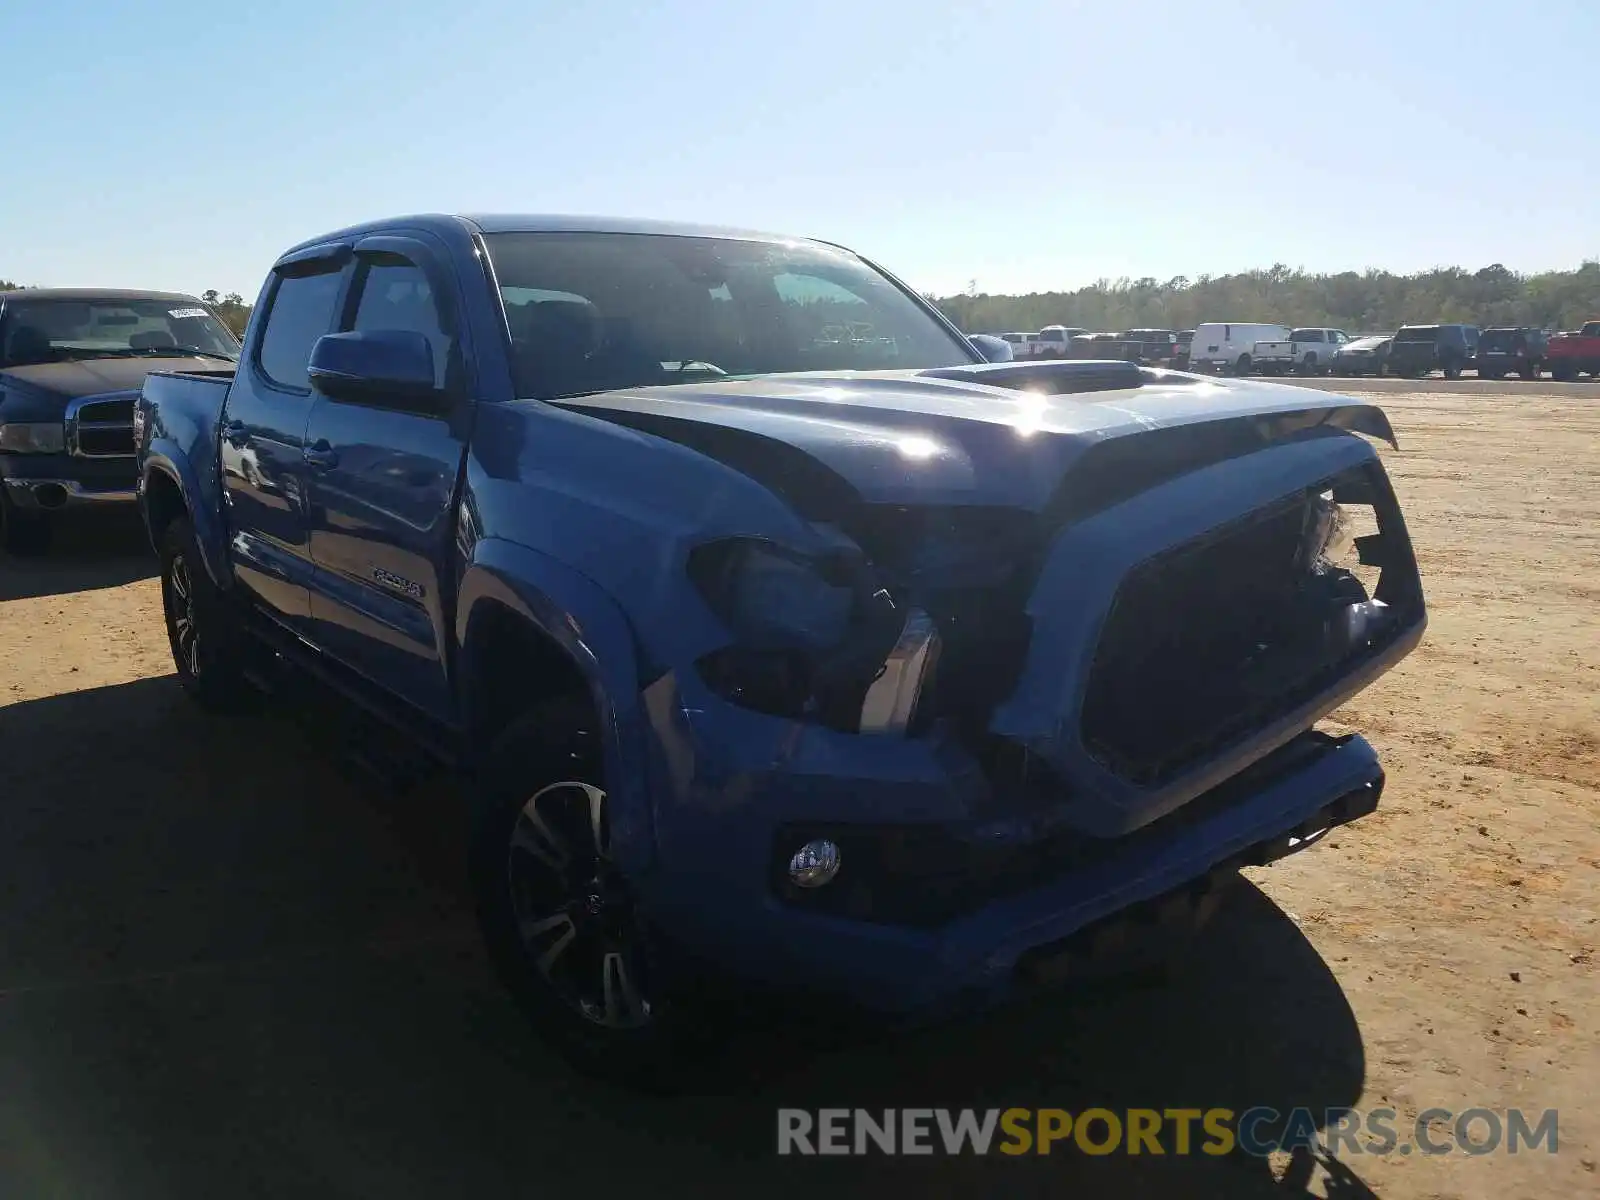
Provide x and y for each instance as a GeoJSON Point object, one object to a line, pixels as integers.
{"type": "Point", "coordinates": [1242, 365]}
{"type": "Point", "coordinates": [562, 924]}
{"type": "Point", "coordinates": [207, 644]}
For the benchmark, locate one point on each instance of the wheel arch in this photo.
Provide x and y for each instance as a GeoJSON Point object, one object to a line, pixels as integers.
{"type": "Point", "coordinates": [529, 629]}
{"type": "Point", "coordinates": [168, 489]}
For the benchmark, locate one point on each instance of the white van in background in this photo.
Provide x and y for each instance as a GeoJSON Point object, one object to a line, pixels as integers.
{"type": "Point", "coordinates": [1220, 346]}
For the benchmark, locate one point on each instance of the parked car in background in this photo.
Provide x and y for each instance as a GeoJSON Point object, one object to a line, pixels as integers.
{"type": "Point", "coordinates": [1180, 360]}
{"type": "Point", "coordinates": [1017, 341]}
{"type": "Point", "coordinates": [1230, 346]}
{"type": "Point", "coordinates": [1572, 354]}
{"type": "Point", "coordinates": [1310, 351]}
{"type": "Point", "coordinates": [768, 658]}
{"type": "Point", "coordinates": [1150, 347]}
{"type": "Point", "coordinates": [1098, 345]}
{"type": "Point", "coordinates": [71, 362]}
{"type": "Point", "coordinates": [1050, 342]}
{"type": "Point", "coordinates": [1147, 347]}
{"type": "Point", "coordinates": [1419, 349]}
{"type": "Point", "coordinates": [1511, 351]}
{"type": "Point", "coordinates": [1363, 356]}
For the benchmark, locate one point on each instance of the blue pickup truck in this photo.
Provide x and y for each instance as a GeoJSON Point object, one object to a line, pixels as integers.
{"type": "Point", "coordinates": [781, 632]}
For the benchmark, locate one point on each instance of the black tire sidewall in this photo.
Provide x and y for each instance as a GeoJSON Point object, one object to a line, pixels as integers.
{"type": "Point", "coordinates": [220, 685]}
{"type": "Point", "coordinates": [542, 747]}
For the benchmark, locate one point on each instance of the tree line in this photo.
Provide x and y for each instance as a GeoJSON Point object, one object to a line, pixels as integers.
{"type": "Point", "coordinates": [1351, 300]}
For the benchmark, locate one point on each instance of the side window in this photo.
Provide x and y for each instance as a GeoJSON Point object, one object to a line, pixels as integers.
{"type": "Point", "coordinates": [395, 295]}
{"type": "Point", "coordinates": [1227, 333]}
{"type": "Point", "coordinates": [301, 311]}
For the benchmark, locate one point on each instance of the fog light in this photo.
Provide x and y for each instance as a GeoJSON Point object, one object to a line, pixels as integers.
{"type": "Point", "coordinates": [814, 864]}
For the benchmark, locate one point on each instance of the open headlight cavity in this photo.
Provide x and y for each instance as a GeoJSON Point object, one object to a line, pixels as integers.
{"type": "Point", "coordinates": [810, 634]}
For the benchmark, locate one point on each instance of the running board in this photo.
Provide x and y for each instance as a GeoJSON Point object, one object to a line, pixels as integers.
{"type": "Point", "coordinates": [422, 738]}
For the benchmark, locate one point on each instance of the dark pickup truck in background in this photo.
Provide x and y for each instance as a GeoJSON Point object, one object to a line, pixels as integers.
{"type": "Point", "coordinates": [852, 667]}
{"type": "Point", "coordinates": [1511, 350]}
{"type": "Point", "coordinates": [1147, 347]}
{"type": "Point", "coordinates": [1417, 350]}
{"type": "Point", "coordinates": [71, 363]}
{"type": "Point", "coordinates": [1573, 354]}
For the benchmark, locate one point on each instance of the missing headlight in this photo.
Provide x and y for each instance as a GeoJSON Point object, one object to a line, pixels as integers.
{"type": "Point", "coordinates": [810, 634]}
{"type": "Point", "coordinates": [770, 596]}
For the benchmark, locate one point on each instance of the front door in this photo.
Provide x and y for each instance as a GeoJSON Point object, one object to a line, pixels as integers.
{"type": "Point", "coordinates": [263, 437]}
{"type": "Point", "coordinates": [381, 482]}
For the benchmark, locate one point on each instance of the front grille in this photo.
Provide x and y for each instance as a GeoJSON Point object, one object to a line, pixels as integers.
{"type": "Point", "coordinates": [1210, 641]}
{"type": "Point", "coordinates": [101, 428]}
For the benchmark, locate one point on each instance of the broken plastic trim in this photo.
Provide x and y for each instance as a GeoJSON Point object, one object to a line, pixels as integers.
{"type": "Point", "coordinates": [891, 702]}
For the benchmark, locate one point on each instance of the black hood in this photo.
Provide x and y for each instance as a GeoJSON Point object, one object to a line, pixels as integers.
{"type": "Point", "coordinates": [89, 377]}
{"type": "Point", "coordinates": [1003, 435]}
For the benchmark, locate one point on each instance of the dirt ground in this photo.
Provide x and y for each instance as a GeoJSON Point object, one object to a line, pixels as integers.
{"type": "Point", "coordinates": [229, 966]}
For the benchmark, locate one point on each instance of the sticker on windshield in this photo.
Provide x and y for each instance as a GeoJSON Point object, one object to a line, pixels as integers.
{"type": "Point", "coordinates": [181, 313]}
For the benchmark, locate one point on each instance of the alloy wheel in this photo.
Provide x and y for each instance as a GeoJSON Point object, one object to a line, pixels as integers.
{"type": "Point", "coordinates": [573, 910]}
{"type": "Point", "coordinates": [181, 614]}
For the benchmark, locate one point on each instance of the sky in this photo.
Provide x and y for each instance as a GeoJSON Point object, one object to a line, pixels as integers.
{"type": "Point", "coordinates": [1011, 145]}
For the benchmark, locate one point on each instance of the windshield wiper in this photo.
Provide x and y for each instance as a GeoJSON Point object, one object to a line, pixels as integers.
{"type": "Point", "coordinates": [172, 352]}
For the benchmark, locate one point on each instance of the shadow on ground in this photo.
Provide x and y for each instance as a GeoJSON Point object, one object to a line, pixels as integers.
{"type": "Point", "coordinates": [106, 551]}
{"type": "Point", "coordinates": [229, 968]}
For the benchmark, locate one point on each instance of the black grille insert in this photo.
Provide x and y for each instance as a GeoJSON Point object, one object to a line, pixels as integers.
{"type": "Point", "coordinates": [104, 429]}
{"type": "Point", "coordinates": [1211, 640]}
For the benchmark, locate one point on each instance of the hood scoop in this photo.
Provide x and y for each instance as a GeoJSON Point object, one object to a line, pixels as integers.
{"type": "Point", "coordinates": [1051, 377]}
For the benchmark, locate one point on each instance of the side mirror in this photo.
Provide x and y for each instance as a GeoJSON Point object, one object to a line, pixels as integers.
{"type": "Point", "coordinates": [376, 366]}
{"type": "Point", "coordinates": [992, 348]}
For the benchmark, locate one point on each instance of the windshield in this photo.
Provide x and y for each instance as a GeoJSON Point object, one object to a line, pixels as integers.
{"type": "Point", "coordinates": [1418, 333]}
{"type": "Point", "coordinates": [596, 311]}
{"type": "Point", "coordinates": [51, 331]}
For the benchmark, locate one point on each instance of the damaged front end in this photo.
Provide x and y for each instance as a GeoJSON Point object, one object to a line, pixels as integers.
{"type": "Point", "coordinates": [1000, 724]}
{"type": "Point", "coordinates": [1100, 673]}
{"type": "Point", "coordinates": [859, 639]}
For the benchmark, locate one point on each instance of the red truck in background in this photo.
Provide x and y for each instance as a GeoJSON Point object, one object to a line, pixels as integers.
{"type": "Point", "coordinates": [1573, 353]}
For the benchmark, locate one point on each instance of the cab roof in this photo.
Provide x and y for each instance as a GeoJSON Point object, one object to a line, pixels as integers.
{"type": "Point", "coordinates": [96, 294]}
{"type": "Point", "coordinates": [544, 223]}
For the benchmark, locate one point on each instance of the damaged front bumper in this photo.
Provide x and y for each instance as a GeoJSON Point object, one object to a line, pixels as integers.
{"type": "Point", "coordinates": [948, 897]}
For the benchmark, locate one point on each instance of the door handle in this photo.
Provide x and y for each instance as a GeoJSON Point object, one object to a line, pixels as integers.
{"type": "Point", "coordinates": [320, 455]}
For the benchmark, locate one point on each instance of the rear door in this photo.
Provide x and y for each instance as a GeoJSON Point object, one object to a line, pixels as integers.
{"type": "Point", "coordinates": [263, 434]}
{"type": "Point", "coordinates": [381, 481]}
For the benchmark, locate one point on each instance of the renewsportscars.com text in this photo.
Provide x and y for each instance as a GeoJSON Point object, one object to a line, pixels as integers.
{"type": "Point", "coordinates": [1179, 1131]}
